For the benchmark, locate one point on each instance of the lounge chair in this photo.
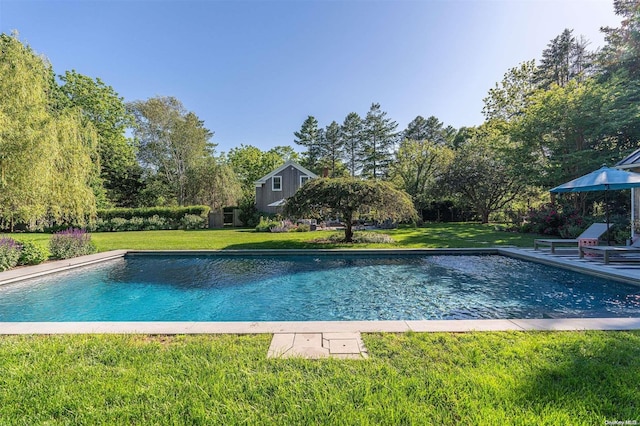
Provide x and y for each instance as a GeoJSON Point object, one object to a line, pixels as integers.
{"type": "Point", "coordinates": [617, 251]}
{"type": "Point", "coordinates": [592, 233]}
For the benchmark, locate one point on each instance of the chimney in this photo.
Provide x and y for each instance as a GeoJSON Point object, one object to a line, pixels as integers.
{"type": "Point", "coordinates": [325, 172]}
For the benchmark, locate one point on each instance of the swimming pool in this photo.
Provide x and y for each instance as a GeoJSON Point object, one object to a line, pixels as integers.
{"type": "Point", "coordinates": [315, 288]}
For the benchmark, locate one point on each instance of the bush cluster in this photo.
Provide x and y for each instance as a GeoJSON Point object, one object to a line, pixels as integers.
{"type": "Point", "coordinates": [270, 225]}
{"type": "Point", "coordinates": [32, 253]}
{"type": "Point", "coordinates": [13, 253]}
{"type": "Point", "coordinates": [265, 225]}
{"type": "Point", "coordinates": [150, 219]}
{"type": "Point", "coordinates": [71, 243]}
{"type": "Point", "coordinates": [170, 214]}
{"type": "Point", "coordinates": [9, 253]}
{"type": "Point", "coordinates": [362, 238]}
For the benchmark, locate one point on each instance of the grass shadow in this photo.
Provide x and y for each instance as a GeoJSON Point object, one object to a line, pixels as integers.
{"type": "Point", "coordinates": [587, 374]}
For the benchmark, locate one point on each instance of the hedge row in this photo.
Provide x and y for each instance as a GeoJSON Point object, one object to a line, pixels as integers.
{"type": "Point", "coordinates": [171, 214]}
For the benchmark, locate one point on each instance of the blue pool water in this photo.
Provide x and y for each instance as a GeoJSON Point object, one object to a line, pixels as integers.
{"type": "Point", "coordinates": [310, 287]}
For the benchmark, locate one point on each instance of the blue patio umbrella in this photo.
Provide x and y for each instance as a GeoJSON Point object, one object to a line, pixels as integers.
{"type": "Point", "coordinates": [603, 179]}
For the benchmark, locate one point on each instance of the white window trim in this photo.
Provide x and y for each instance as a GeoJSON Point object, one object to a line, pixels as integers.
{"type": "Point", "coordinates": [273, 181]}
{"type": "Point", "coordinates": [304, 176]}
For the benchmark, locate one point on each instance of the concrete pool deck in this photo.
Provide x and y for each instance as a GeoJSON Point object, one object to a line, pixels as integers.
{"type": "Point", "coordinates": [568, 259]}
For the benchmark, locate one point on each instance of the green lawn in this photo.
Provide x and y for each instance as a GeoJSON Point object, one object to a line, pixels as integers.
{"type": "Point", "coordinates": [432, 235]}
{"type": "Point", "coordinates": [525, 378]}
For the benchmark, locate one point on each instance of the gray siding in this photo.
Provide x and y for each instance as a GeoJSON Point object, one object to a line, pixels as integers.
{"type": "Point", "coordinates": [290, 184]}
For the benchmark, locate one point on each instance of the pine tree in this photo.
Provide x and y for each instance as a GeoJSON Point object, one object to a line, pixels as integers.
{"type": "Point", "coordinates": [379, 137]}
{"type": "Point", "coordinates": [331, 146]}
{"type": "Point", "coordinates": [351, 133]}
{"type": "Point", "coordinates": [309, 137]}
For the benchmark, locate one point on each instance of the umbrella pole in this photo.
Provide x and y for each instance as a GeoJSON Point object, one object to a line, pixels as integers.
{"type": "Point", "coordinates": [606, 210]}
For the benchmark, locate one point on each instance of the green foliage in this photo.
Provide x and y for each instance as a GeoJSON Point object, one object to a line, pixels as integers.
{"type": "Point", "coordinates": [47, 172]}
{"type": "Point", "coordinates": [250, 164]}
{"type": "Point", "coordinates": [303, 227]}
{"type": "Point", "coordinates": [32, 253]}
{"type": "Point", "coordinates": [420, 164]}
{"type": "Point", "coordinates": [249, 215]}
{"type": "Point", "coordinates": [173, 214]}
{"type": "Point", "coordinates": [192, 221]}
{"type": "Point", "coordinates": [71, 243]}
{"type": "Point", "coordinates": [106, 111]}
{"type": "Point", "coordinates": [309, 136]}
{"type": "Point", "coordinates": [484, 173]}
{"type": "Point", "coordinates": [379, 135]}
{"type": "Point", "coordinates": [151, 218]}
{"type": "Point", "coordinates": [172, 140]}
{"type": "Point", "coordinates": [266, 224]}
{"type": "Point", "coordinates": [212, 183]}
{"type": "Point", "coordinates": [348, 198]}
{"type": "Point", "coordinates": [362, 238]}
{"type": "Point", "coordinates": [9, 253]}
{"type": "Point", "coordinates": [351, 134]}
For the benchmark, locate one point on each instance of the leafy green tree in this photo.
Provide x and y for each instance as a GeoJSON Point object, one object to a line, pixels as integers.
{"type": "Point", "coordinates": [46, 167]}
{"type": "Point", "coordinates": [106, 111]}
{"type": "Point", "coordinates": [418, 167]}
{"type": "Point", "coordinates": [485, 173]}
{"type": "Point", "coordinates": [250, 164]}
{"type": "Point", "coordinates": [214, 184]}
{"type": "Point", "coordinates": [351, 134]}
{"type": "Point", "coordinates": [349, 198]}
{"type": "Point", "coordinates": [421, 159]}
{"type": "Point", "coordinates": [622, 51]}
{"type": "Point", "coordinates": [309, 137]}
{"type": "Point", "coordinates": [172, 141]}
{"type": "Point", "coordinates": [560, 134]}
{"type": "Point", "coordinates": [379, 136]}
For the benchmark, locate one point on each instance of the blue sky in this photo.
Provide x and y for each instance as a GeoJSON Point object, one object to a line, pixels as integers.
{"type": "Point", "coordinates": [254, 70]}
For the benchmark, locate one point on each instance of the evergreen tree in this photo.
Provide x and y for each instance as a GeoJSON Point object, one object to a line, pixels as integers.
{"type": "Point", "coordinates": [565, 58]}
{"type": "Point", "coordinates": [332, 147]}
{"type": "Point", "coordinates": [379, 137]}
{"type": "Point", "coordinates": [309, 137]}
{"type": "Point", "coordinates": [351, 133]}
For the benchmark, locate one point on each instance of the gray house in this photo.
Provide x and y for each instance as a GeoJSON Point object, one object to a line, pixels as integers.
{"type": "Point", "coordinates": [273, 189]}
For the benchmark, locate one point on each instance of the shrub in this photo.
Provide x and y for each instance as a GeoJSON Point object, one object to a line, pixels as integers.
{"type": "Point", "coordinates": [71, 243]}
{"type": "Point", "coordinates": [191, 221]}
{"type": "Point", "coordinates": [171, 214]}
{"type": "Point", "coordinates": [9, 253]}
{"type": "Point", "coordinates": [265, 225]}
{"type": "Point", "coordinates": [155, 222]}
{"type": "Point", "coordinates": [32, 253]}
{"type": "Point", "coordinates": [303, 227]}
{"type": "Point", "coordinates": [362, 238]}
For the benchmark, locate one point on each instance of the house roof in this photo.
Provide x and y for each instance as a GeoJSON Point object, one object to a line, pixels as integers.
{"type": "Point", "coordinates": [630, 162]}
{"type": "Point", "coordinates": [304, 171]}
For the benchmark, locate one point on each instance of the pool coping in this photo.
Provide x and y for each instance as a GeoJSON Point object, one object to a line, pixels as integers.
{"type": "Point", "coordinates": [194, 327]}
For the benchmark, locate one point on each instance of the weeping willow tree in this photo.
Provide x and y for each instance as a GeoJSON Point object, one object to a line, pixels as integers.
{"type": "Point", "coordinates": [46, 155]}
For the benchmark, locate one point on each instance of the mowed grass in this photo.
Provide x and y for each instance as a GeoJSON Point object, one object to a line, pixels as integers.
{"type": "Point", "coordinates": [455, 235]}
{"type": "Point", "coordinates": [525, 378]}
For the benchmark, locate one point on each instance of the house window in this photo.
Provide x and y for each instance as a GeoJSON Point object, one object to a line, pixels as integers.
{"type": "Point", "coordinates": [276, 183]}
{"type": "Point", "coordinates": [304, 179]}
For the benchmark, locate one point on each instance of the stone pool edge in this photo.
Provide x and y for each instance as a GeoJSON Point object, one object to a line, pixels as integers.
{"type": "Point", "coordinates": [564, 324]}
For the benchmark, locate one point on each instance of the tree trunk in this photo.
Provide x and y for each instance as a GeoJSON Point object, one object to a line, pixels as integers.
{"type": "Point", "coordinates": [485, 217]}
{"type": "Point", "coordinates": [348, 228]}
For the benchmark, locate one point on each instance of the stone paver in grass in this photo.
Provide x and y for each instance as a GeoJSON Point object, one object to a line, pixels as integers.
{"type": "Point", "coordinates": [317, 345]}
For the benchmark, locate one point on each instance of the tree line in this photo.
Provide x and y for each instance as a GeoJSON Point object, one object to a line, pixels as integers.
{"type": "Point", "coordinates": [69, 144]}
